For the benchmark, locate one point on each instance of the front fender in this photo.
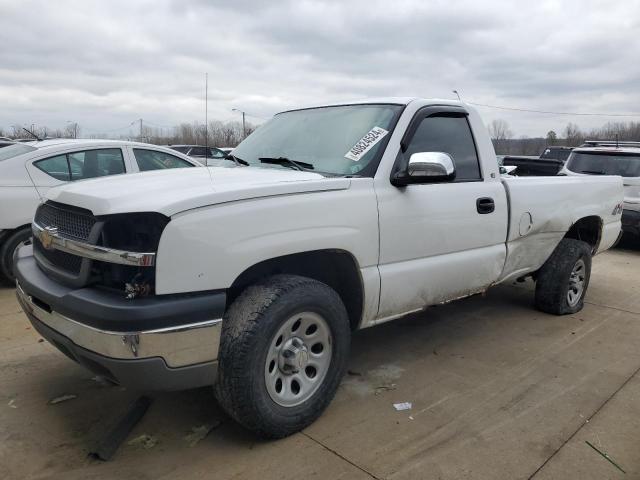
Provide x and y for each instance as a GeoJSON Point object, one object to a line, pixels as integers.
{"type": "Point", "coordinates": [208, 248]}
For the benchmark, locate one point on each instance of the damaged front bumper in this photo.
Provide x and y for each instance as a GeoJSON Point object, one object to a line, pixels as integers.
{"type": "Point", "coordinates": [167, 342]}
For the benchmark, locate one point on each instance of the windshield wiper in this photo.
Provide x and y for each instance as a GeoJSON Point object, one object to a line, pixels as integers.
{"type": "Point", "coordinates": [236, 160]}
{"type": "Point", "coordinates": [284, 161]}
{"type": "Point", "coordinates": [593, 172]}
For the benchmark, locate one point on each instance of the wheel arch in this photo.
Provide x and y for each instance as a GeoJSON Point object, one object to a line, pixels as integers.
{"type": "Point", "coordinates": [589, 230]}
{"type": "Point", "coordinates": [7, 251]}
{"type": "Point", "coordinates": [4, 234]}
{"type": "Point", "coordinates": [335, 267]}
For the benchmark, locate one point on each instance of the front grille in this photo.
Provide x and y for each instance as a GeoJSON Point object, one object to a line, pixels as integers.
{"type": "Point", "coordinates": [139, 232]}
{"type": "Point", "coordinates": [62, 260]}
{"type": "Point", "coordinates": [72, 223]}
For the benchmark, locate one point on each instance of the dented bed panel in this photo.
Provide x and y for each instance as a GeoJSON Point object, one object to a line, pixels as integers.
{"type": "Point", "coordinates": [543, 209]}
{"type": "Point", "coordinates": [555, 203]}
{"type": "Point", "coordinates": [528, 253]}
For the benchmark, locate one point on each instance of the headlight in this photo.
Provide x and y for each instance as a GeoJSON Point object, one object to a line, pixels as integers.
{"type": "Point", "coordinates": [131, 232]}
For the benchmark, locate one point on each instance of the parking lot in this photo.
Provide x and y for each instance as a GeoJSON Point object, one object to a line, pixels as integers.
{"type": "Point", "coordinates": [498, 390]}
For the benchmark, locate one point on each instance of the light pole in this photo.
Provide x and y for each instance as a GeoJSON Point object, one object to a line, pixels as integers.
{"type": "Point", "coordinates": [244, 130]}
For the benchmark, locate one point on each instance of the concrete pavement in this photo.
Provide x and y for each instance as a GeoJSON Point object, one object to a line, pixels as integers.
{"type": "Point", "coordinates": [499, 391]}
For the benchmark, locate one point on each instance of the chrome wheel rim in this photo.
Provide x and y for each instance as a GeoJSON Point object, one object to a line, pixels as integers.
{"type": "Point", "coordinates": [576, 283]}
{"type": "Point", "coordinates": [298, 359]}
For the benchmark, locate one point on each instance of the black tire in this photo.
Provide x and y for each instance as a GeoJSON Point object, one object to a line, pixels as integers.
{"type": "Point", "coordinates": [248, 329]}
{"type": "Point", "coordinates": [7, 251]}
{"type": "Point", "coordinates": [553, 280]}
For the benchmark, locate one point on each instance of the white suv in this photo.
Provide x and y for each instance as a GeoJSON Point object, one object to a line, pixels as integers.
{"type": "Point", "coordinates": [28, 170]}
{"type": "Point", "coordinates": [612, 158]}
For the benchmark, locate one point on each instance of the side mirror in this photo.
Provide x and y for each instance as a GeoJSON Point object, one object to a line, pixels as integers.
{"type": "Point", "coordinates": [426, 167]}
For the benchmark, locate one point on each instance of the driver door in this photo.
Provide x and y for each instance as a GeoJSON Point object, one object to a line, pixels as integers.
{"type": "Point", "coordinates": [440, 241]}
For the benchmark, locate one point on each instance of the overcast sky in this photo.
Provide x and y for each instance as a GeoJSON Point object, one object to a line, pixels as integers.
{"type": "Point", "coordinates": [105, 63]}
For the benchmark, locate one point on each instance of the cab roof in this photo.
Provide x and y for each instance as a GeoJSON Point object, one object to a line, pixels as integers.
{"type": "Point", "coordinates": [383, 100]}
{"type": "Point", "coordinates": [44, 144]}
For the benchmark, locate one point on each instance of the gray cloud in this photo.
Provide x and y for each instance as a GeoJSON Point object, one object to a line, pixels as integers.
{"type": "Point", "coordinates": [104, 64]}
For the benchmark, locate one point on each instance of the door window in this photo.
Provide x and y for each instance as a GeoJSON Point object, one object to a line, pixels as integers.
{"type": "Point", "coordinates": [57, 167]}
{"type": "Point", "coordinates": [155, 160]}
{"type": "Point", "coordinates": [96, 163]}
{"type": "Point", "coordinates": [198, 152]}
{"type": "Point", "coordinates": [451, 135]}
{"type": "Point", "coordinates": [83, 165]}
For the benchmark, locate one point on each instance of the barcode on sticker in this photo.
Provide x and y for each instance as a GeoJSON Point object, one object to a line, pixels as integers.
{"type": "Point", "coordinates": [366, 143]}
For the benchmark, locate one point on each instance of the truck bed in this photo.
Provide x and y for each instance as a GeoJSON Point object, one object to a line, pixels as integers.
{"type": "Point", "coordinates": [542, 209]}
{"type": "Point", "coordinates": [533, 166]}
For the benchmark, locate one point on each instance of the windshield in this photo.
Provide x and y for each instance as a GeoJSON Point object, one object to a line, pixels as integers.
{"type": "Point", "coordinates": [342, 140]}
{"type": "Point", "coordinates": [15, 150]}
{"type": "Point", "coordinates": [605, 163]}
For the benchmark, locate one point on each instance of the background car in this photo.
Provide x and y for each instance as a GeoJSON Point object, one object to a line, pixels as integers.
{"type": "Point", "coordinates": [28, 170]}
{"type": "Point", "coordinates": [213, 155]}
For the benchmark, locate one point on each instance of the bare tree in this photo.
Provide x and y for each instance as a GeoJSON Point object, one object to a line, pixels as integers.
{"type": "Point", "coordinates": [552, 137]}
{"type": "Point", "coordinates": [573, 135]}
{"type": "Point", "coordinates": [499, 130]}
{"type": "Point", "coordinates": [72, 130]}
{"type": "Point", "coordinates": [500, 134]}
{"type": "Point", "coordinates": [17, 131]}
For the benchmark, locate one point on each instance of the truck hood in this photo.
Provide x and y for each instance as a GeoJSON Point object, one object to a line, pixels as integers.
{"type": "Point", "coordinates": [176, 190]}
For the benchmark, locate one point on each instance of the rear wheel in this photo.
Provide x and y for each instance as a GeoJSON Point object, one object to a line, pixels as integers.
{"type": "Point", "coordinates": [16, 240]}
{"type": "Point", "coordinates": [283, 351]}
{"type": "Point", "coordinates": [563, 280]}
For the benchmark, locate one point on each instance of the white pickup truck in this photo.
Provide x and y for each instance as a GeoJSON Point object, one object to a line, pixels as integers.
{"type": "Point", "coordinates": [334, 218]}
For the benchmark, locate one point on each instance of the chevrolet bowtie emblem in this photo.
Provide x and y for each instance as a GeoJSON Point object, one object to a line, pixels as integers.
{"type": "Point", "coordinates": [47, 235]}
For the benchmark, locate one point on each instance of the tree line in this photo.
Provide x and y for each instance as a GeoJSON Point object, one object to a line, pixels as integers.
{"type": "Point", "coordinates": [216, 133]}
{"type": "Point", "coordinates": [572, 136]}
{"type": "Point", "coordinates": [17, 131]}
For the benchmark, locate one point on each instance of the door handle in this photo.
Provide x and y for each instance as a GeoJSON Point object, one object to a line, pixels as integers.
{"type": "Point", "coordinates": [485, 205]}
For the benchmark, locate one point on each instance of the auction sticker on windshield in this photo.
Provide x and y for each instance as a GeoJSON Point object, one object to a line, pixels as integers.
{"type": "Point", "coordinates": [366, 143]}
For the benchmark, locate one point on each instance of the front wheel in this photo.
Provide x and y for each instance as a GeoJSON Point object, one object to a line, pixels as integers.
{"type": "Point", "coordinates": [563, 279]}
{"type": "Point", "coordinates": [283, 351]}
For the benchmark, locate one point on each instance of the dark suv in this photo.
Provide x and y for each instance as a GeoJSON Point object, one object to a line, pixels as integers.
{"type": "Point", "coordinates": [199, 152]}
